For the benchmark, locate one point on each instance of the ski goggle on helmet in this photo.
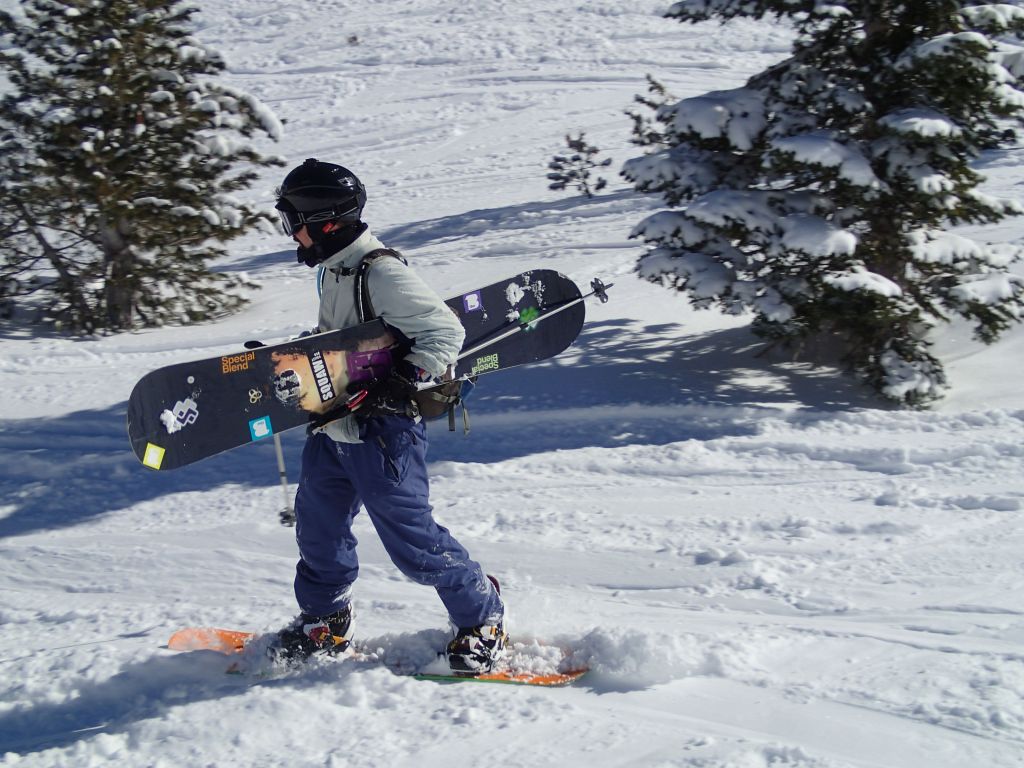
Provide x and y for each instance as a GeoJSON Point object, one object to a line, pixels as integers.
{"type": "Point", "coordinates": [319, 192]}
{"type": "Point", "coordinates": [293, 221]}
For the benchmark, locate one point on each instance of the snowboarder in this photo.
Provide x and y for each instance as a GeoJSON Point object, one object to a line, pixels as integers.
{"type": "Point", "coordinates": [376, 456]}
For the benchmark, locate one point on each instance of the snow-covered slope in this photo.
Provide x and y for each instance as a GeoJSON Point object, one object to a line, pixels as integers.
{"type": "Point", "coordinates": [761, 564]}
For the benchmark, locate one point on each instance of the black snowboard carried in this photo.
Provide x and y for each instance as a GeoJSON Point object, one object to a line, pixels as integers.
{"type": "Point", "coordinates": [185, 412]}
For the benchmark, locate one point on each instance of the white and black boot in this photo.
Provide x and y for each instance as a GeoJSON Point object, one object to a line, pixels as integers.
{"type": "Point", "coordinates": [314, 635]}
{"type": "Point", "coordinates": [474, 650]}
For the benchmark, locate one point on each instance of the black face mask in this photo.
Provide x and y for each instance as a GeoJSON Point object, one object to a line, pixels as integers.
{"type": "Point", "coordinates": [311, 257]}
{"type": "Point", "coordinates": [326, 245]}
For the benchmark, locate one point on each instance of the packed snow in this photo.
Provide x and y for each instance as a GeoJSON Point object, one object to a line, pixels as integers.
{"type": "Point", "coordinates": [762, 564]}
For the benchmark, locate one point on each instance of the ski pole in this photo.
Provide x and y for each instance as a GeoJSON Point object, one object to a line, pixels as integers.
{"type": "Point", "coordinates": [287, 514]}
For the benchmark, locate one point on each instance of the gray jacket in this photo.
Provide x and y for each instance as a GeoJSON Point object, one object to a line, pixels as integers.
{"type": "Point", "coordinates": [402, 300]}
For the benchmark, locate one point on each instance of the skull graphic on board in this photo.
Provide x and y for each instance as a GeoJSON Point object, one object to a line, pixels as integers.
{"type": "Point", "coordinates": [287, 387]}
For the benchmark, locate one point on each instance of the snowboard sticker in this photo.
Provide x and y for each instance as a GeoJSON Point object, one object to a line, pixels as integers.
{"type": "Point", "coordinates": [231, 642]}
{"type": "Point", "coordinates": [186, 412]}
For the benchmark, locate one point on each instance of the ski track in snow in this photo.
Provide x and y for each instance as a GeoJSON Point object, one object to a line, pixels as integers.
{"type": "Point", "coordinates": [761, 564]}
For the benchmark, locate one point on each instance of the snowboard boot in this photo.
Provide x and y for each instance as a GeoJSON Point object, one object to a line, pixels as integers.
{"type": "Point", "coordinates": [309, 635]}
{"type": "Point", "coordinates": [474, 650]}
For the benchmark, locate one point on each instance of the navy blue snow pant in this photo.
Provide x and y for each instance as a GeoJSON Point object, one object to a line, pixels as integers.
{"type": "Point", "coordinates": [387, 474]}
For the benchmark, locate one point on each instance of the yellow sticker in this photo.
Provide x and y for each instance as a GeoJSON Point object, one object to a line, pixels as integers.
{"type": "Point", "coordinates": [154, 456]}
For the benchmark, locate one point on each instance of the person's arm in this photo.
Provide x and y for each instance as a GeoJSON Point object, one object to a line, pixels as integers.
{"type": "Point", "coordinates": [401, 298]}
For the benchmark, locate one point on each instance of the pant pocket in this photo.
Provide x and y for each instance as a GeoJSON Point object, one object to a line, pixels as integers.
{"type": "Point", "coordinates": [394, 455]}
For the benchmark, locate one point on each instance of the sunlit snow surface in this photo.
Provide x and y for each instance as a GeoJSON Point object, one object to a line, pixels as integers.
{"type": "Point", "coordinates": [761, 564]}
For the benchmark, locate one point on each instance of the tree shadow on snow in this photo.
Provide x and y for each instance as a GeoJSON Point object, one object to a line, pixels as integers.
{"type": "Point", "coordinates": [423, 234]}
{"type": "Point", "coordinates": [620, 386]}
{"type": "Point", "coordinates": [522, 216]}
{"type": "Point", "coordinates": [616, 386]}
{"type": "Point", "coordinates": [261, 261]}
{"type": "Point", "coordinates": [140, 691]}
{"type": "Point", "coordinates": [62, 471]}
{"type": "Point", "coordinates": [153, 688]}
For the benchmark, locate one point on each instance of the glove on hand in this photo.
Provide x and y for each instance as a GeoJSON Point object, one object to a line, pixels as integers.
{"type": "Point", "coordinates": [389, 396]}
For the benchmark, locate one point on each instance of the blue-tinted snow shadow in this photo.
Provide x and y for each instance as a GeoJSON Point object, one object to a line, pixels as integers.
{"type": "Point", "coordinates": [143, 691]}
{"type": "Point", "coordinates": [522, 216]}
{"type": "Point", "coordinates": [622, 386]}
{"type": "Point", "coordinates": [61, 471]}
{"type": "Point", "coordinates": [422, 234]}
{"type": "Point", "coordinates": [138, 692]}
{"type": "Point", "coordinates": [619, 385]}
{"type": "Point", "coordinates": [282, 257]}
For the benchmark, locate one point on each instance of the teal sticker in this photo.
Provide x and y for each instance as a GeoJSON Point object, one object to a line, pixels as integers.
{"type": "Point", "coordinates": [260, 428]}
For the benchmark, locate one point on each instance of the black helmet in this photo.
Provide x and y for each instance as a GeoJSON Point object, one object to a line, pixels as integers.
{"type": "Point", "coordinates": [317, 191]}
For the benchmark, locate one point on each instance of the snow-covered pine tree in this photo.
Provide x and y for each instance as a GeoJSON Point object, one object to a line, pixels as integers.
{"type": "Point", "coordinates": [645, 132]}
{"type": "Point", "coordinates": [121, 156]}
{"type": "Point", "coordinates": [819, 195]}
{"type": "Point", "coordinates": [573, 170]}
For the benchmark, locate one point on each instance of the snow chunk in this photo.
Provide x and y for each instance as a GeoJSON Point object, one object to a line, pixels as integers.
{"type": "Point", "coordinates": [815, 236]}
{"type": "Point", "coordinates": [1002, 255]}
{"type": "Point", "coordinates": [640, 659]}
{"type": "Point", "coordinates": [170, 421]}
{"type": "Point", "coordinates": [192, 52]}
{"type": "Point", "coordinates": [1009, 95]}
{"type": "Point", "coordinates": [725, 206]}
{"type": "Point", "coordinates": [670, 227]}
{"type": "Point", "coordinates": [773, 307]}
{"type": "Point", "coordinates": [156, 202]}
{"type": "Point", "coordinates": [265, 117]}
{"type": "Point", "coordinates": [989, 290]}
{"type": "Point", "coordinates": [860, 279]}
{"type": "Point", "coordinates": [218, 144]}
{"type": "Point", "coordinates": [923, 122]}
{"type": "Point", "coordinates": [1009, 206]}
{"type": "Point", "coordinates": [934, 183]}
{"type": "Point", "coordinates": [513, 294]}
{"type": "Point", "coordinates": [831, 9]}
{"type": "Point", "coordinates": [59, 116]}
{"type": "Point", "coordinates": [937, 247]}
{"type": "Point", "coordinates": [905, 377]}
{"type": "Point", "coordinates": [1000, 15]}
{"type": "Point", "coordinates": [945, 45]}
{"type": "Point", "coordinates": [738, 115]}
{"type": "Point", "coordinates": [704, 276]}
{"type": "Point", "coordinates": [820, 148]}
{"type": "Point", "coordinates": [669, 167]}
